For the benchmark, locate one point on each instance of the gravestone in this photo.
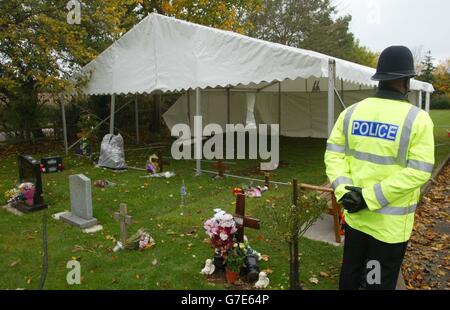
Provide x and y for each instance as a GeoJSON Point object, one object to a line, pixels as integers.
{"type": "Point", "coordinates": [29, 171]}
{"type": "Point", "coordinates": [80, 203]}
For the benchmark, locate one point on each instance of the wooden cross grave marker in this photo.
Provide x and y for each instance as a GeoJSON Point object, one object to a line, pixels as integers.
{"type": "Point", "coordinates": [124, 220]}
{"type": "Point", "coordinates": [243, 221]}
{"type": "Point", "coordinates": [221, 168]}
{"type": "Point", "coordinates": [162, 161]}
{"type": "Point", "coordinates": [267, 180]}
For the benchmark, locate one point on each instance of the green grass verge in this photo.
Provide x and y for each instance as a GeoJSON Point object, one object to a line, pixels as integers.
{"type": "Point", "coordinates": [441, 119]}
{"type": "Point", "coordinates": [154, 204]}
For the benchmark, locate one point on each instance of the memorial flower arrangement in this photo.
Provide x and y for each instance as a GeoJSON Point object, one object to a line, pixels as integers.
{"type": "Point", "coordinates": [235, 257]}
{"type": "Point", "coordinates": [250, 191]}
{"type": "Point", "coordinates": [141, 240]}
{"type": "Point", "coordinates": [249, 251]}
{"type": "Point", "coordinates": [221, 229]}
{"type": "Point", "coordinates": [12, 194]}
{"type": "Point", "coordinates": [23, 193]}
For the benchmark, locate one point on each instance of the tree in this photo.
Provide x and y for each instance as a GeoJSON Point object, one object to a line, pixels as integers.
{"type": "Point", "coordinates": [309, 25]}
{"type": "Point", "coordinates": [228, 15]}
{"type": "Point", "coordinates": [39, 51]}
{"type": "Point", "coordinates": [441, 79]}
{"type": "Point", "coordinates": [428, 69]}
{"type": "Point", "coordinates": [289, 218]}
{"type": "Point", "coordinates": [363, 55]}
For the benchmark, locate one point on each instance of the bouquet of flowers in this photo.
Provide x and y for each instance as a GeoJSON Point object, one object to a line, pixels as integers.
{"type": "Point", "coordinates": [24, 193]}
{"type": "Point", "coordinates": [104, 183]}
{"type": "Point", "coordinates": [141, 240]}
{"type": "Point", "coordinates": [13, 195]}
{"type": "Point", "coordinates": [235, 259]}
{"type": "Point", "coordinates": [220, 230]}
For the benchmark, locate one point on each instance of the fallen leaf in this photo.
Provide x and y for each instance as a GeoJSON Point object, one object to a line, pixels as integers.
{"type": "Point", "coordinates": [265, 257]}
{"type": "Point", "coordinates": [314, 280]}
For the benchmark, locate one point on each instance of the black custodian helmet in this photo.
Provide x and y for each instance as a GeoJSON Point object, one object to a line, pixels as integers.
{"type": "Point", "coordinates": [396, 62]}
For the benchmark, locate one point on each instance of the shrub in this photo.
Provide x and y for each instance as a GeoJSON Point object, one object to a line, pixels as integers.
{"type": "Point", "coordinates": [440, 103]}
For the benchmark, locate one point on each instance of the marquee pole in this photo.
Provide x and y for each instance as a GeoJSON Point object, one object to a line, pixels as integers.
{"type": "Point", "coordinates": [111, 119]}
{"type": "Point", "coordinates": [331, 88]}
{"type": "Point", "coordinates": [198, 131]}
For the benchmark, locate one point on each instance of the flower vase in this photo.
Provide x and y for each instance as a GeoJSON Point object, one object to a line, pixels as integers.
{"type": "Point", "coordinates": [231, 276]}
{"type": "Point", "coordinates": [251, 262]}
{"type": "Point", "coordinates": [218, 263]}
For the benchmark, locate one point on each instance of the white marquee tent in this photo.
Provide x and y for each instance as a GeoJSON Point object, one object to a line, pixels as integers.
{"type": "Point", "coordinates": [237, 79]}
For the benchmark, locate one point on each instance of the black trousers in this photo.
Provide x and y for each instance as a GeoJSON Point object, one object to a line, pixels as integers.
{"type": "Point", "coordinates": [369, 263]}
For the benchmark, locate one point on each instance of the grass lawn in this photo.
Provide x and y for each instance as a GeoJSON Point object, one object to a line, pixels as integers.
{"type": "Point", "coordinates": [154, 204]}
{"type": "Point", "coordinates": [441, 119]}
{"type": "Point", "coordinates": [175, 262]}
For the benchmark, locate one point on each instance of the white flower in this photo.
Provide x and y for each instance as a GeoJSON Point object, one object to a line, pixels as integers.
{"type": "Point", "coordinates": [223, 236]}
{"type": "Point", "coordinates": [219, 215]}
{"type": "Point", "coordinates": [227, 217]}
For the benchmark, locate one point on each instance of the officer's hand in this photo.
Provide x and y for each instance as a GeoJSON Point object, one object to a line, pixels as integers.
{"type": "Point", "coordinates": [353, 201]}
{"type": "Point", "coordinates": [354, 189]}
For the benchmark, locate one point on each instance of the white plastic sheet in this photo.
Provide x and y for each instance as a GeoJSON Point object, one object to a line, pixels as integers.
{"type": "Point", "coordinates": [302, 114]}
{"type": "Point", "coordinates": [169, 55]}
{"type": "Point", "coordinates": [112, 154]}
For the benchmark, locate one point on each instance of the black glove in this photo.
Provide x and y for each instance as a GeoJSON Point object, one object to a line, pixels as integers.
{"type": "Point", "coordinates": [353, 201]}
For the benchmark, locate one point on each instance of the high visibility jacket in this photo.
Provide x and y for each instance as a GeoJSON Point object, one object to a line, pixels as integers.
{"type": "Point", "coordinates": [386, 147]}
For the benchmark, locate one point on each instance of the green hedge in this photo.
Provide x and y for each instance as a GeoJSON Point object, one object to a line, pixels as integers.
{"type": "Point", "coordinates": [440, 103]}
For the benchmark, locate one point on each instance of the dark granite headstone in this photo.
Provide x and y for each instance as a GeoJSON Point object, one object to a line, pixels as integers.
{"type": "Point", "coordinates": [29, 171]}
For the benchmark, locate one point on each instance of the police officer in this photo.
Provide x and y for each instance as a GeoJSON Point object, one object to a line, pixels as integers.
{"type": "Point", "coordinates": [379, 154]}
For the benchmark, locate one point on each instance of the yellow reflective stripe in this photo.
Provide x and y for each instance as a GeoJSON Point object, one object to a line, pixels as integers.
{"type": "Point", "coordinates": [420, 165]}
{"type": "Point", "coordinates": [397, 210]}
{"type": "Point", "coordinates": [376, 159]}
{"type": "Point", "coordinates": [335, 148]}
{"type": "Point", "coordinates": [347, 118]}
{"type": "Point", "coordinates": [380, 196]}
{"type": "Point", "coordinates": [340, 181]}
{"type": "Point", "coordinates": [406, 135]}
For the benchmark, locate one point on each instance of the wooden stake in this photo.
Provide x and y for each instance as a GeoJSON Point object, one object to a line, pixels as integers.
{"type": "Point", "coordinates": [124, 220]}
{"type": "Point", "coordinates": [243, 221]}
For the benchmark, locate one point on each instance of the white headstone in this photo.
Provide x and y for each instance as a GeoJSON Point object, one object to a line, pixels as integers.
{"type": "Point", "coordinates": [80, 203]}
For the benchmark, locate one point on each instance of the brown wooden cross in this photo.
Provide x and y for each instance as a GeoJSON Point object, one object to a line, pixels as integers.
{"type": "Point", "coordinates": [243, 221]}
{"type": "Point", "coordinates": [162, 161]}
{"type": "Point", "coordinates": [267, 180]}
{"type": "Point", "coordinates": [124, 220]}
{"type": "Point", "coordinates": [221, 168]}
